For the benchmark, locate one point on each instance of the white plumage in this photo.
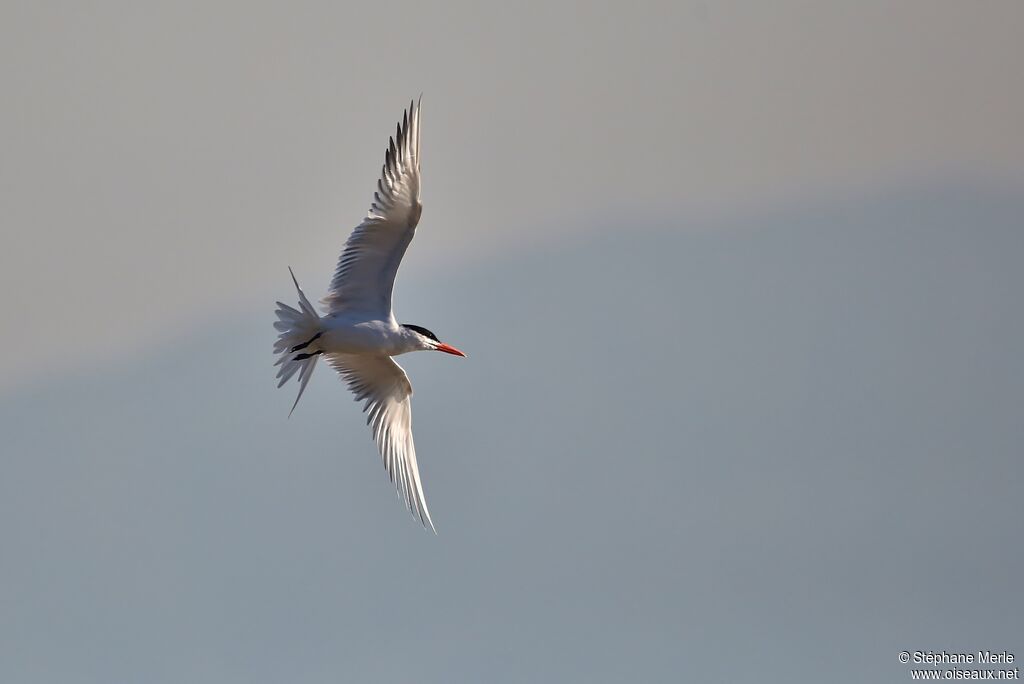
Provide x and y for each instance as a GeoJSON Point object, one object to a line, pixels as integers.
{"type": "Point", "coordinates": [358, 333]}
{"type": "Point", "coordinates": [366, 270]}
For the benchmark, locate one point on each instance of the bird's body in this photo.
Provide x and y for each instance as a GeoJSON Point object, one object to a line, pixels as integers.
{"type": "Point", "coordinates": [359, 334]}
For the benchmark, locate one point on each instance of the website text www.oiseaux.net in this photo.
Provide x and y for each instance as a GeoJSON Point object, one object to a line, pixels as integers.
{"type": "Point", "coordinates": [945, 666]}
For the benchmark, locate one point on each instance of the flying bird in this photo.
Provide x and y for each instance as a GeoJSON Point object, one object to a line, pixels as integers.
{"type": "Point", "coordinates": [358, 333]}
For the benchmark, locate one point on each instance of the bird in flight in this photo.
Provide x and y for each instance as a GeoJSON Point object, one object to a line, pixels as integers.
{"type": "Point", "coordinates": [358, 333]}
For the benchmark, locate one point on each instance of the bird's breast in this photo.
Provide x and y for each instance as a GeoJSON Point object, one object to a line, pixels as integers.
{"type": "Point", "coordinates": [365, 337]}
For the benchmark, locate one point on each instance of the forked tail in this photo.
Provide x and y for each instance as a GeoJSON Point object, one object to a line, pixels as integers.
{"type": "Point", "coordinates": [298, 330]}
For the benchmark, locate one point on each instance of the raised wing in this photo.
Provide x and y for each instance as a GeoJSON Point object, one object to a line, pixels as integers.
{"type": "Point", "coordinates": [366, 270]}
{"type": "Point", "coordinates": [387, 391]}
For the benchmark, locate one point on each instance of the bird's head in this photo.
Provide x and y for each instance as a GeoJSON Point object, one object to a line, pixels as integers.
{"type": "Point", "coordinates": [428, 341]}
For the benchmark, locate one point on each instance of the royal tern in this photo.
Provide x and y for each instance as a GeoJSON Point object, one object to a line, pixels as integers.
{"type": "Point", "coordinates": [358, 333]}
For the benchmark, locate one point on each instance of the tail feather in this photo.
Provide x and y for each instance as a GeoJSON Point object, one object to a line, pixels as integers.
{"type": "Point", "coordinates": [296, 327]}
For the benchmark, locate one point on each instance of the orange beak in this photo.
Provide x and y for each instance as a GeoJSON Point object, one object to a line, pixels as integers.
{"type": "Point", "coordinates": [448, 349]}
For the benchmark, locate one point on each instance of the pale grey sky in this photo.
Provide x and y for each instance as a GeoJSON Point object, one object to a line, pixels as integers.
{"type": "Point", "coordinates": [800, 458]}
{"type": "Point", "coordinates": [740, 287]}
{"type": "Point", "coordinates": [167, 160]}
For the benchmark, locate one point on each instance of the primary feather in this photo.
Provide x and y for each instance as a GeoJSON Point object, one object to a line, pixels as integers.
{"type": "Point", "coordinates": [365, 275]}
{"type": "Point", "coordinates": [385, 388]}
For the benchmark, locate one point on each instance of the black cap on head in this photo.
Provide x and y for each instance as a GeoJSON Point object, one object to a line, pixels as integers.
{"type": "Point", "coordinates": [421, 330]}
